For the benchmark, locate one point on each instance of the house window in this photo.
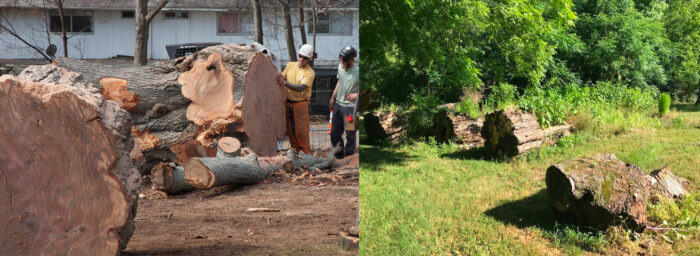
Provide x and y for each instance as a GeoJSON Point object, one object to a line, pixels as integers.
{"type": "Point", "coordinates": [127, 14]}
{"type": "Point", "coordinates": [234, 23]}
{"type": "Point", "coordinates": [176, 15]}
{"type": "Point", "coordinates": [75, 21]}
{"type": "Point", "coordinates": [332, 23]}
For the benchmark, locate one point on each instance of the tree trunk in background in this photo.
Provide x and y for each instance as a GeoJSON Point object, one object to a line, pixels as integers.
{"type": "Point", "coordinates": [288, 29]}
{"type": "Point", "coordinates": [302, 30]}
{"type": "Point", "coordinates": [697, 101]}
{"type": "Point", "coordinates": [257, 18]}
{"type": "Point", "coordinates": [142, 22]}
{"type": "Point", "coordinates": [59, 4]}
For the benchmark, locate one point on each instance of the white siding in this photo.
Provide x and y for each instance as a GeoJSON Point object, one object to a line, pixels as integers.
{"type": "Point", "coordinates": [114, 35]}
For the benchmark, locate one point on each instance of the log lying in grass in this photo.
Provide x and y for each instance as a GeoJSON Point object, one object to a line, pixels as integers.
{"type": "Point", "coordinates": [457, 127]}
{"type": "Point", "coordinates": [388, 125]}
{"type": "Point", "coordinates": [68, 183]}
{"type": "Point", "coordinates": [312, 161]}
{"type": "Point", "coordinates": [162, 109]}
{"type": "Point", "coordinates": [169, 179]}
{"type": "Point", "coordinates": [599, 191]}
{"type": "Point", "coordinates": [511, 132]}
{"type": "Point", "coordinates": [662, 182]}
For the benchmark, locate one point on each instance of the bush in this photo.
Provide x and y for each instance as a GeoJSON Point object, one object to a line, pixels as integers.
{"type": "Point", "coordinates": [468, 107]}
{"type": "Point", "coordinates": [502, 96]}
{"type": "Point", "coordinates": [664, 103]}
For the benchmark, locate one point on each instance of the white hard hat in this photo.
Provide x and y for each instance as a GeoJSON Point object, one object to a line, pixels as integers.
{"type": "Point", "coordinates": [306, 50]}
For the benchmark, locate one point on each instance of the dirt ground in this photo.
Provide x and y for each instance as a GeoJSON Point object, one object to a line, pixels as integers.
{"type": "Point", "coordinates": [313, 206]}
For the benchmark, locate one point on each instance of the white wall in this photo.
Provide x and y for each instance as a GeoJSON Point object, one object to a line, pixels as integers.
{"type": "Point", "coordinates": [114, 35]}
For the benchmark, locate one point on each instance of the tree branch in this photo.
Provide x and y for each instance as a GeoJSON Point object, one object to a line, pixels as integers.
{"type": "Point", "coordinates": [155, 11]}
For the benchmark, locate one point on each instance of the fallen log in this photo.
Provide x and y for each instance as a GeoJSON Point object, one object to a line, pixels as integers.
{"type": "Point", "coordinates": [457, 127]}
{"type": "Point", "coordinates": [162, 110]}
{"type": "Point", "coordinates": [228, 147]}
{"type": "Point", "coordinates": [511, 132]}
{"type": "Point", "coordinates": [662, 182]}
{"type": "Point", "coordinates": [210, 172]}
{"type": "Point", "coordinates": [599, 191]}
{"type": "Point", "coordinates": [311, 161]}
{"type": "Point", "coordinates": [69, 183]}
{"type": "Point", "coordinates": [169, 179]}
{"type": "Point", "coordinates": [373, 128]}
{"type": "Point", "coordinates": [388, 125]}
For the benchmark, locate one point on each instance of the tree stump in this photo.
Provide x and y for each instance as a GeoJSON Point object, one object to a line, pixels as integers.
{"type": "Point", "coordinates": [68, 183]}
{"type": "Point", "coordinates": [599, 191]}
{"type": "Point", "coordinates": [511, 132]}
{"type": "Point", "coordinates": [457, 127]}
{"type": "Point", "coordinates": [663, 182]}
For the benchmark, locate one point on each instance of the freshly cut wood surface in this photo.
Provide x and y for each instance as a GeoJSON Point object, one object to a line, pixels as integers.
{"type": "Point", "coordinates": [78, 194]}
{"type": "Point", "coordinates": [169, 179]}
{"type": "Point", "coordinates": [229, 147]}
{"type": "Point", "coordinates": [263, 106]}
{"type": "Point", "coordinates": [115, 89]}
{"type": "Point", "coordinates": [190, 149]}
{"type": "Point", "coordinates": [209, 85]}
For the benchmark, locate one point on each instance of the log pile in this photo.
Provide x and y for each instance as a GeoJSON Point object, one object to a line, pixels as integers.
{"type": "Point", "coordinates": [600, 191]}
{"type": "Point", "coordinates": [457, 127]}
{"type": "Point", "coordinates": [512, 132]}
{"type": "Point", "coordinates": [194, 98]}
{"type": "Point", "coordinates": [67, 179]}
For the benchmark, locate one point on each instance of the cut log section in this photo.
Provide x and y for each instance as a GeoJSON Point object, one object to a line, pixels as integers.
{"type": "Point", "coordinates": [228, 147]}
{"type": "Point", "coordinates": [663, 182]}
{"type": "Point", "coordinates": [68, 184]}
{"type": "Point", "coordinates": [115, 89]}
{"type": "Point", "coordinates": [457, 127]}
{"type": "Point", "coordinates": [391, 126]}
{"type": "Point", "coordinates": [511, 132]}
{"type": "Point", "coordinates": [264, 97]}
{"type": "Point", "coordinates": [209, 85]}
{"type": "Point", "coordinates": [190, 149]}
{"type": "Point", "coordinates": [169, 179]}
{"type": "Point", "coordinates": [311, 161]}
{"type": "Point", "coordinates": [599, 191]}
{"type": "Point", "coordinates": [162, 109]}
{"type": "Point", "coordinates": [373, 128]}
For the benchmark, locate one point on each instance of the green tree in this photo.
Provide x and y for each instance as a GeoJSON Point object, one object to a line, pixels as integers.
{"type": "Point", "coordinates": [682, 20]}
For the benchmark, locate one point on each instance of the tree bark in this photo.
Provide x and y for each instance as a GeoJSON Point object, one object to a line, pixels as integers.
{"type": "Point", "coordinates": [289, 32]}
{"type": "Point", "coordinates": [302, 22]}
{"type": "Point", "coordinates": [597, 191]}
{"type": "Point", "coordinates": [697, 101]}
{"type": "Point", "coordinates": [511, 132]}
{"type": "Point", "coordinates": [79, 194]}
{"type": "Point", "coordinates": [142, 22]}
{"type": "Point", "coordinates": [209, 172]}
{"type": "Point", "coordinates": [257, 18]}
{"type": "Point", "coordinates": [161, 111]}
{"type": "Point", "coordinates": [457, 127]}
{"type": "Point", "coordinates": [662, 182]}
{"type": "Point", "coordinates": [59, 5]}
{"type": "Point", "coordinates": [170, 180]}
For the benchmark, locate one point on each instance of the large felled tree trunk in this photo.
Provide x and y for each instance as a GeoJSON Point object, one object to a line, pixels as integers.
{"type": "Point", "coordinates": [160, 117]}
{"type": "Point", "coordinates": [143, 20]}
{"type": "Point", "coordinates": [599, 191]}
{"type": "Point", "coordinates": [68, 184]}
{"type": "Point", "coordinates": [457, 127]}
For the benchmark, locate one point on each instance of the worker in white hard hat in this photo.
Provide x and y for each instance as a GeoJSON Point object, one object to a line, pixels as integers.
{"type": "Point", "coordinates": [298, 77]}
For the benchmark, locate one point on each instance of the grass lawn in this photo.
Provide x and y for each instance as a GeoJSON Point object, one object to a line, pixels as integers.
{"type": "Point", "coordinates": [427, 199]}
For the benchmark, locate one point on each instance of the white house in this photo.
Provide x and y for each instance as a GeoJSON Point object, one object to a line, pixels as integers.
{"type": "Point", "coordinates": [102, 29]}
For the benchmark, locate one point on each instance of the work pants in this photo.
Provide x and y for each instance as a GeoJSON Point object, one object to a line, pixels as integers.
{"type": "Point", "coordinates": [338, 126]}
{"type": "Point", "coordinates": [298, 126]}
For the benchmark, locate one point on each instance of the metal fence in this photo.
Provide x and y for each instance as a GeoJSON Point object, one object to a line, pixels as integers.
{"type": "Point", "coordinates": [320, 139]}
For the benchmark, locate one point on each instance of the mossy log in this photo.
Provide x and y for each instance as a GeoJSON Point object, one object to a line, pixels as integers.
{"type": "Point", "coordinates": [511, 132]}
{"type": "Point", "coordinates": [169, 179]}
{"type": "Point", "coordinates": [68, 184]}
{"type": "Point", "coordinates": [599, 191]}
{"type": "Point", "coordinates": [459, 128]}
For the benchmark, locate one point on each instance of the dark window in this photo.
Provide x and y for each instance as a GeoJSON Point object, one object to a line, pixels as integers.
{"type": "Point", "coordinates": [332, 23]}
{"type": "Point", "coordinates": [127, 14]}
{"type": "Point", "coordinates": [176, 15]}
{"type": "Point", "coordinates": [75, 21]}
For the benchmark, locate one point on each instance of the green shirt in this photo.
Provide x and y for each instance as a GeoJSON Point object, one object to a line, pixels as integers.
{"type": "Point", "coordinates": [348, 82]}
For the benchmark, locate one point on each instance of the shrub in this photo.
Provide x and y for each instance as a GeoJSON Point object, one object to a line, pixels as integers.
{"type": "Point", "coordinates": [664, 103]}
{"type": "Point", "coordinates": [502, 96]}
{"type": "Point", "coordinates": [468, 107]}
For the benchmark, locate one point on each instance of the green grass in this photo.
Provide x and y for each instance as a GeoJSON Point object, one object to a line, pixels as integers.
{"type": "Point", "coordinates": [428, 199]}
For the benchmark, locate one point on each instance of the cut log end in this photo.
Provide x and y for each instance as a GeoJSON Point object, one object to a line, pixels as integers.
{"type": "Point", "coordinates": [230, 145]}
{"type": "Point", "coordinates": [209, 85]}
{"type": "Point", "coordinates": [199, 175]}
{"type": "Point", "coordinates": [162, 176]}
{"type": "Point", "coordinates": [115, 89]}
